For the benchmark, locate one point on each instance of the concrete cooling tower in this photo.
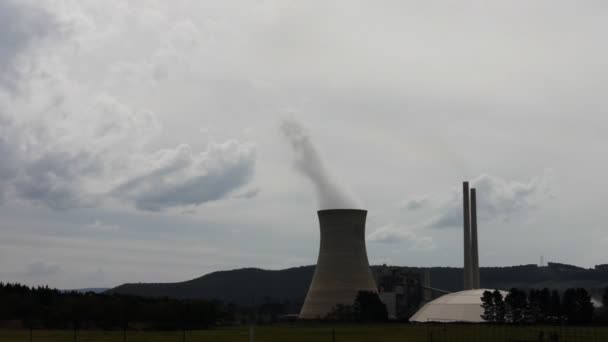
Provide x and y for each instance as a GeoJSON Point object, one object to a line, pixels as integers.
{"type": "Point", "coordinates": [342, 267]}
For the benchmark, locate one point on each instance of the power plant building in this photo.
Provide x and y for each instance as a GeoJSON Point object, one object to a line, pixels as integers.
{"type": "Point", "coordinates": [463, 306]}
{"type": "Point", "coordinates": [342, 267]}
{"type": "Point", "coordinates": [402, 290]}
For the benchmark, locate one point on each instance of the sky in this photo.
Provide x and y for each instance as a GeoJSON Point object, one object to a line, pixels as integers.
{"type": "Point", "coordinates": [157, 141]}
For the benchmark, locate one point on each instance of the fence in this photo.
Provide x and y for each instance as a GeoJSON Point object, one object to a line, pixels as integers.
{"type": "Point", "coordinates": [326, 333]}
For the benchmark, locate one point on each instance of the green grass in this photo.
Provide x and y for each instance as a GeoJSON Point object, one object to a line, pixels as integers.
{"type": "Point", "coordinates": [323, 333]}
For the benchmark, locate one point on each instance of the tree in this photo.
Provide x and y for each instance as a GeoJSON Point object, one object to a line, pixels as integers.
{"type": "Point", "coordinates": [489, 309]}
{"type": "Point", "coordinates": [533, 314]}
{"type": "Point", "coordinates": [555, 309]}
{"type": "Point", "coordinates": [544, 301]}
{"type": "Point", "coordinates": [585, 305]}
{"type": "Point", "coordinates": [499, 306]}
{"type": "Point", "coordinates": [369, 307]}
{"type": "Point", "coordinates": [516, 306]}
{"type": "Point", "coordinates": [605, 298]}
{"type": "Point", "coordinates": [577, 306]}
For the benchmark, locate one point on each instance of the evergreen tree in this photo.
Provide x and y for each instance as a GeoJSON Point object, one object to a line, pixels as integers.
{"type": "Point", "coordinates": [499, 306]}
{"type": "Point", "coordinates": [516, 306]}
{"type": "Point", "coordinates": [555, 310]}
{"type": "Point", "coordinates": [569, 305]}
{"type": "Point", "coordinates": [585, 305]}
{"type": "Point", "coordinates": [577, 306]}
{"type": "Point", "coordinates": [545, 304]}
{"type": "Point", "coordinates": [604, 310]}
{"type": "Point", "coordinates": [489, 309]}
{"type": "Point", "coordinates": [534, 313]}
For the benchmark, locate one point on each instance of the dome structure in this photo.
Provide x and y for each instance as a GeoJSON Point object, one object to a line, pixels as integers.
{"type": "Point", "coordinates": [463, 306]}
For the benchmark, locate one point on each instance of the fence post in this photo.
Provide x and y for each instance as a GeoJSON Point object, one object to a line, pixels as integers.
{"type": "Point", "coordinates": [184, 335]}
{"type": "Point", "coordinates": [75, 337]}
{"type": "Point", "coordinates": [31, 333]}
{"type": "Point", "coordinates": [124, 334]}
{"type": "Point", "coordinates": [333, 334]}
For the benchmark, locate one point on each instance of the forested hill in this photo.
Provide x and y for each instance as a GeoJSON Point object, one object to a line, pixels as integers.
{"type": "Point", "coordinates": [244, 286]}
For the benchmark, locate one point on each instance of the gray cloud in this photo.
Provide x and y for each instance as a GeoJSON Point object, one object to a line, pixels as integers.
{"type": "Point", "coordinates": [21, 24]}
{"type": "Point", "coordinates": [392, 234]}
{"type": "Point", "coordinates": [65, 159]}
{"type": "Point", "coordinates": [251, 193]}
{"type": "Point", "coordinates": [180, 178]}
{"type": "Point", "coordinates": [307, 160]}
{"type": "Point", "coordinates": [42, 269]}
{"type": "Point", "coordinates": [497, 199]}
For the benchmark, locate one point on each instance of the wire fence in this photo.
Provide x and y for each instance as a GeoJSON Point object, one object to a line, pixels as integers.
{"type": "Point", "coordinates": [324, 333]}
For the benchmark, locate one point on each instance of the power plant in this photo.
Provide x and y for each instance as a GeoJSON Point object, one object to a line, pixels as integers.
{"type": "Point", "coordinates": [342, 267]}
{"type": "Point", "coordinates": [471, 252]}
{"type": "Point", "coordinates": [462, 306]}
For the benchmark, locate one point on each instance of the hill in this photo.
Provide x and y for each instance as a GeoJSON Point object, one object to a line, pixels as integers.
{"type": "Point", "coordinates": [243, 286]}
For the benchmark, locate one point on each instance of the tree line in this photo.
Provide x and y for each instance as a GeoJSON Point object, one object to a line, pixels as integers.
{"type": "Point", "coordinates": [42, 307]}
{"type": "Point", "coordinates": [543, 306]}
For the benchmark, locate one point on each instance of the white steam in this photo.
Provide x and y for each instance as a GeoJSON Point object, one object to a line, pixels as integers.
{"type": "Point", "coordinates": [307, 160]}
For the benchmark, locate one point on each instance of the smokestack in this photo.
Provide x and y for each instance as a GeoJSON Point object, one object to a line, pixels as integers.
{"type": "Point", "coordinates": [474, 244]}
{"type": "Point", "coordinates": [468, 279]}
{"type": "Point", "coordinates": [342, 267]}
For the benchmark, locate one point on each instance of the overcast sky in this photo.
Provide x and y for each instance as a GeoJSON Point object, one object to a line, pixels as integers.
{"type": "Point", "coordinates": [159, 141]}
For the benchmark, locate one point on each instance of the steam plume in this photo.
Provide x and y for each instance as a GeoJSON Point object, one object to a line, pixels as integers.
{"type": "Point", "coordinates": [308, 161]}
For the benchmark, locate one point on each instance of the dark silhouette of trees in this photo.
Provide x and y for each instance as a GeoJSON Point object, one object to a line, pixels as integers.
{"type": "Point", "coordinates": [556, 307]}
{"type": "Point", "coordinates": [489, 309]}
{"type": "Point", "coordinates": [516, 306]}
{"type": "Point", "coordinates": [577, 306]}
{"type": "Point", "coordinates": [369, 308]}
{"type": "Point", "coordinates": [499, 307]}
{"type": "Point", "coordinates": [538, 306]}
{"type": "Point", "coordinates": [43, 307]}
{"type": "Point", "coordinates": [604, 309]}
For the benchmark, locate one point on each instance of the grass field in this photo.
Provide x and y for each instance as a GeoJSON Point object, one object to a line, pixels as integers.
{"type": "Point", "coordinates": [327, 333]}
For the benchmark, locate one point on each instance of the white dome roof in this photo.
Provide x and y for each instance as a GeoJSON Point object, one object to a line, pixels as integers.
{"type": "Point", "coordinates": [463, 306]}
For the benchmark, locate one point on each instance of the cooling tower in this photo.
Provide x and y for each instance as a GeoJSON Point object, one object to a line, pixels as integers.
{"type": "Point", "coordinates": [342, 267]}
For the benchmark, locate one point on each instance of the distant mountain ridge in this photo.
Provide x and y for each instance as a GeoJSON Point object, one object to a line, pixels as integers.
{"type": "Point", "coordinates": [89, 289]}
{"type": "Point", "coordinates": [253, 285]}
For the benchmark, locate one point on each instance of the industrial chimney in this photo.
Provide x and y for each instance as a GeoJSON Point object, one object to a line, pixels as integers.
{"type": "Point", "coordinates": [342, 267]}
{"type": "Point", "coordinates": [471, 248]}
{"type": "Point", "coordinates": [474, 244]}
{"type": "Point", "coordinates": [468, 277]}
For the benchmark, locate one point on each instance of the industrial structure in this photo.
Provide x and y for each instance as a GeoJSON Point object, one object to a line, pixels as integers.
{"type": "Point", "coordinates": [342, 267]}
{"type": "Point", "coordinates": [402, 290]}
{"type": "Point", "coordinates": [471, 249]}
{"type": "Point", "coordinates": [462, 306]}
{"type": "Point", "coordinates": [399, 289]}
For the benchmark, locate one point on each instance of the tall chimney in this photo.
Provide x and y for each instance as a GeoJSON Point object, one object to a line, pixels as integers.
{"type": "Point", "coordinates": [474, 244]}
{"type": "Point", "coordinates": [342, 268]}
{"type": "Point", "coordinates": [467, 236]}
